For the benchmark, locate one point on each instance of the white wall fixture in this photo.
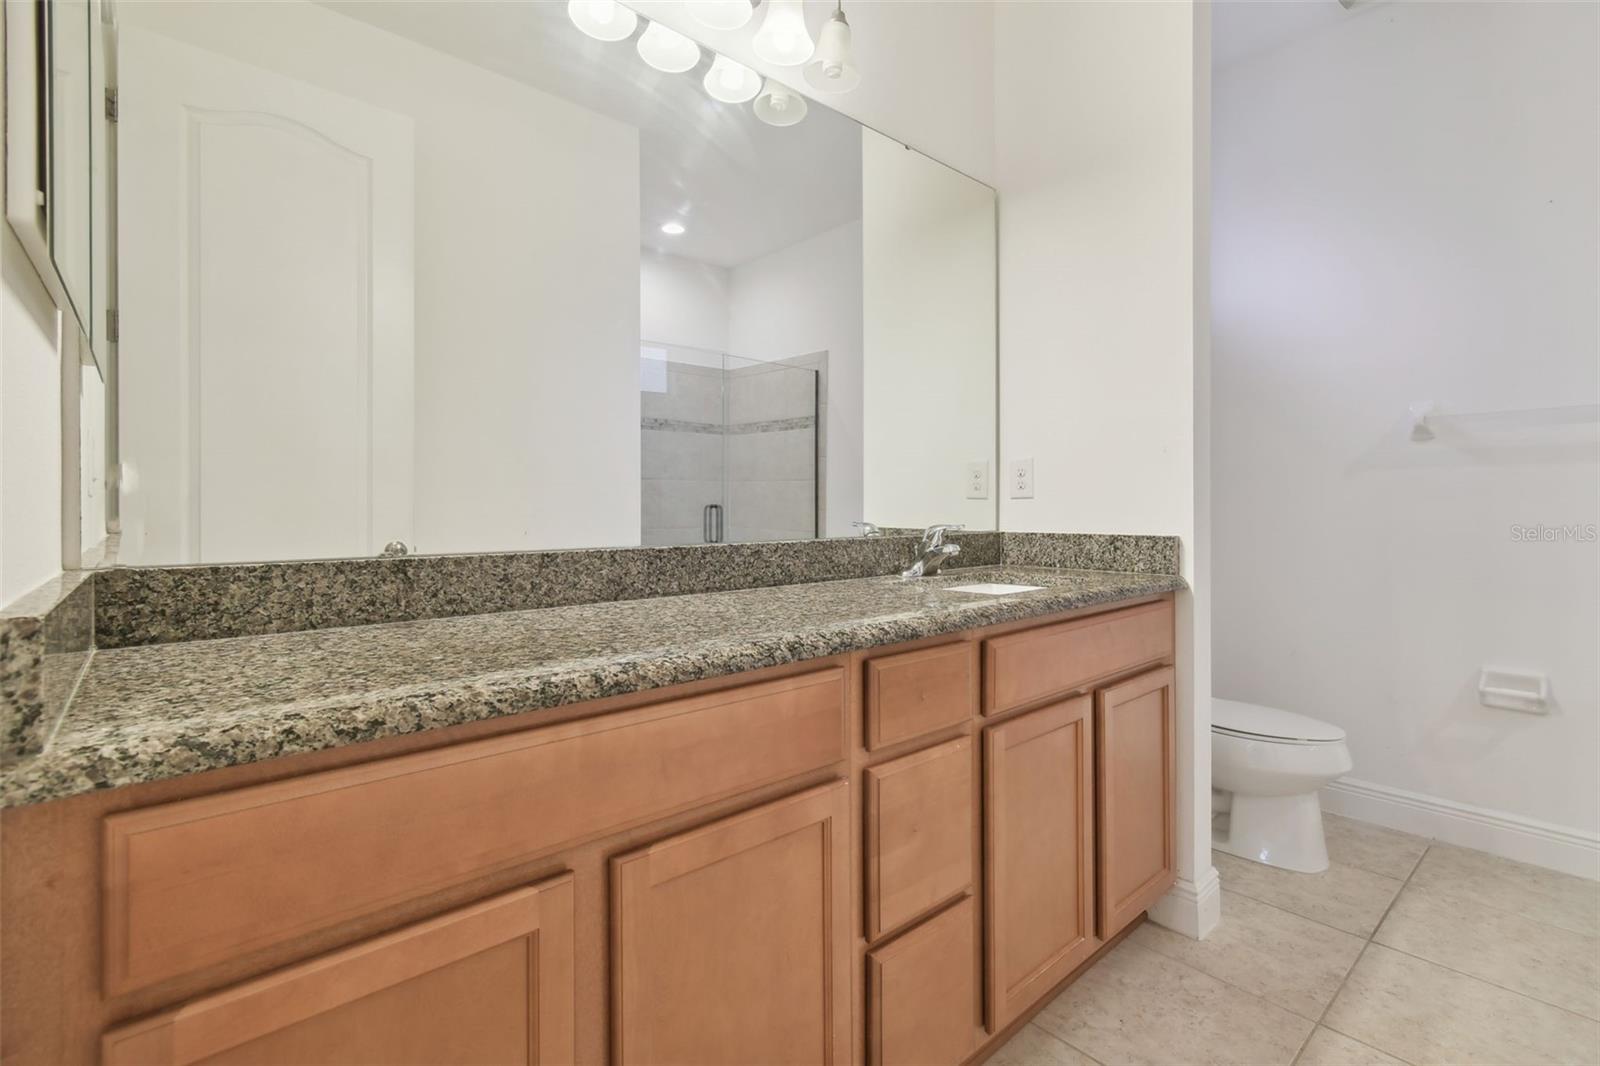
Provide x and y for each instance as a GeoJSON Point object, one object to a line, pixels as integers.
{"type": "Point", "coordinates": [777, 106]}
{"type": "Point", "coordinates": [1514, 690]}
{"type": "Point", "coordinates": [667, 50]}
{"type": "Point", "coordinates": [1419, 411]}
{"type": "Point", "coordinates": [1021, 479]}
{"type": "Point", "coordinates": [731, 82]}
{"type": "Point", "coordinates": [604, 20]}
{"type": "Point", "coordinates": [721, 14]}
{"type": "Point", "coordinates": [783, 38]}
{"type": "Point", "coordinates": [834, 68]}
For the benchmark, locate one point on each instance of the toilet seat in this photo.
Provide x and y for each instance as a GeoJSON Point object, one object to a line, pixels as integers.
{"type": "Point", "coordinates": [1273, 725]}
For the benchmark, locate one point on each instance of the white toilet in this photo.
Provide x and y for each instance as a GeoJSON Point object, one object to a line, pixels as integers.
{"type": "Point", "coordinates": [1266, 767]}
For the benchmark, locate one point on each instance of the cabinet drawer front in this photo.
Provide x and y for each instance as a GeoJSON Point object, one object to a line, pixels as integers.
{"type": "Point", "coordinates": [193, 883]}
{"type": "Point", "coordinates": [923, 1006]}
{"type": "Point", "coordinates": [919, 833]}
{"type": "Point", "coordinates": [489, 983]}
{"type": "Point", "coordinates": [731, 943]}
{"type": "Point", "coordinates": [917, 692]}
{"type": "Point", "coordinates": [1054, 660]}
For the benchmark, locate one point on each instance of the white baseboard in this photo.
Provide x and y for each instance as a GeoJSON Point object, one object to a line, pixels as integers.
{"type": "Point", "coordinates": [1572, 851]}
{"type": "Point", "coordinates": [1191, 908]}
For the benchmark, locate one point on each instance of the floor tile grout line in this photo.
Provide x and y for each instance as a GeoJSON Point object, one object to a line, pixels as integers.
{"type": "Point", "coordinates": [1307, 917]}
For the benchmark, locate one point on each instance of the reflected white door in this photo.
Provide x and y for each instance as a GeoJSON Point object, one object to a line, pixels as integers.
{"type": "Point", "coordinates": [266, 292]}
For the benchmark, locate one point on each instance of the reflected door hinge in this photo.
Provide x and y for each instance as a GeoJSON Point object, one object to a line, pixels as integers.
{"type": "Point", "coordinates": [111, 104]}
{"type": "Point", "coordinates": [113, 325]}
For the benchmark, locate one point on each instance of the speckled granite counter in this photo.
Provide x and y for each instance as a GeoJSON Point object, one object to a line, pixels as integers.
{"type": "Point", "coordinates": [147, 713]}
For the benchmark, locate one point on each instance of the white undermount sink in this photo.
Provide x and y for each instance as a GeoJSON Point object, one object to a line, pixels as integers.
{"type": "Point", "coordinates": [990, 588]}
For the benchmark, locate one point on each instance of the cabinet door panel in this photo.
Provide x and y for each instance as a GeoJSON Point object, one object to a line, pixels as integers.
{"type": "Point", "coordinates": [923, 1009]}
{"type": "Point", "coordinates": [919, 833]}
{"type": "Point", "coordinates": [1039, 853]}
{"type": "Point", "coordinates": [731, 942]}
{"type": "Point", "coordinates": [488, 983]}
{"type": "Point", "coordinates": [916, 692]}
{"type": "Point", "coordinates": [1135, 734]}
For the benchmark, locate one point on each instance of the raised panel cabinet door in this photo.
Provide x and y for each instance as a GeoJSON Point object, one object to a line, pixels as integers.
{"type": "Point", "coordinates": [489, 983]}
{"type": "Point", "coordinates": [731, 943]}
{"type": "Point", "coordinates": [1135, 735]}
{"type": "Point", "coordinates": [923, 992]}
{"type": "Point", "coordinates": [1038, 853]}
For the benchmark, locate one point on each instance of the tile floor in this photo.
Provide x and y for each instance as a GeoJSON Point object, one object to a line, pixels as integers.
{"type": "Point", "coordinates": [1404, 951]}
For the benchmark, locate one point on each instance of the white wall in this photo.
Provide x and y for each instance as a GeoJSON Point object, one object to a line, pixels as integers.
{"type": "Point", "coordinates": [683, 302]}
{"type": "Point", "coordinates": [927, 71]}
{"type": "Point", "coordinates": [527, 285]}
{"type": "Point", "coordinates": [928, 244]}
{"type": "Point", "coordinates": [1426, 230]}
{"type": "Point", "coordinates": [1100, 134]}
{"type": "Point", "coordinates": [800, 300]}
{"type": "Point", "coordinates": [30, 427]}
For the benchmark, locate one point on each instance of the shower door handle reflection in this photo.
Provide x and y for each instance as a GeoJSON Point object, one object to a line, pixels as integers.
{"type": "Point", "coordinates": [712, 523]}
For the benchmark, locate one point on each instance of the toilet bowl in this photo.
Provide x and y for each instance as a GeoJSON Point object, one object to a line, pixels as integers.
{"type": "Point", "coordinates": [1266, 767]}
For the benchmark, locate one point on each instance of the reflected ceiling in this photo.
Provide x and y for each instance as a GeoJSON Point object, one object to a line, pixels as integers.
{"type": "Point", "coordinates": [740, 188]}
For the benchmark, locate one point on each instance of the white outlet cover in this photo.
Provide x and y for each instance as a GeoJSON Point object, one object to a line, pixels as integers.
{"type": "Point", "coordinates": [978, 480]}
{"type": "Point", "coordinates": [1019, 476]}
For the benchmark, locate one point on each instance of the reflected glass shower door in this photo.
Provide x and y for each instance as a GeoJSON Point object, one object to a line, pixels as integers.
{"type": "Point", "coordinates": [728, 448]}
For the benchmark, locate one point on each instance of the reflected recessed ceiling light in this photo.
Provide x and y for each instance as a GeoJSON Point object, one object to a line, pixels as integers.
{"type": "Point", "coordinates": [783, 38]}
{"type": "Point", "coordinates": [604, 20]}
{"type": "Point", "coordinates": [730, 82]}
{"type": "Point", "coordinates": [721, 14]}
{"type": "Point", "coordinates": [778, 105]}
{"type": "Point", "coordinates": [672, 229]}
{"type": "Point", "coordinates": [834, 70]}
{"type": "Point", "coordinates": [667, 50]}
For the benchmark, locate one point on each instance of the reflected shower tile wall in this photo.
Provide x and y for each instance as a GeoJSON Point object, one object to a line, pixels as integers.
{"type": "Point", "coordinates": [681, 454]}
{"type": "Point", "coordinates": [771, 448]}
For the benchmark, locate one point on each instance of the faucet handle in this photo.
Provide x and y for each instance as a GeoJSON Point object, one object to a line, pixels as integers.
{"type": "Point", "coordinates": [933, 536]}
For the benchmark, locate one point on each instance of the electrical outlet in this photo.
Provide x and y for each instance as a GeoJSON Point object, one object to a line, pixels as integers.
{"type": "Point", "coordinates": [978, 480]}
{"type": "Point", "coordinates": [1020, 477]}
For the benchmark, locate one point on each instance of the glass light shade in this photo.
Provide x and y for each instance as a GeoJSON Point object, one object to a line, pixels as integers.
{"type": "Point", "coordinates": [778, 105]}
{"type": "Point", "coordinates": [730, 82]}
{"type": "Point", "coordinates": [721, 14]}
{"type": "Point", "coordinates": [833, 70]}
{"type": "Point", "coordinates": [604, 20]}
{"type": "Point", "coordinates": [783, 38]}
{"type": "Point", "coordinates": [667, 50]}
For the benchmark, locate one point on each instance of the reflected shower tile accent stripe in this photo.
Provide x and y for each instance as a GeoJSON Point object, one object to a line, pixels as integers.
{"type": "Point", "coordinates": [773, 425]}
{"type": "Point", "coordinates": [679, 425]}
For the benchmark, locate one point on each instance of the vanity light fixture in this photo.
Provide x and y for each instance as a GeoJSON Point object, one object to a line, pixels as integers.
{"type": "Point", "coordinates": [833, 70]}
{"type": "Point", "coordinates": [673, 228]}
{"type": "Point", "coordinates": [604, 20]}
{"type": "Point", "coordinates": [783, 39]}
{"type": "Point", "coordinates": [667, 50]}
{"type": "Point", "coordinates": [778, 105]}
{"type": "Point", "coordinates": [731, 82]}
{"type": "Point", "coordinates": [721, 14]}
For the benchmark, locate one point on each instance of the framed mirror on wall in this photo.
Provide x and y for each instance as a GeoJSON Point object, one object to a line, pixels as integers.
{"type": "Point", "coordinates": [466, 278]}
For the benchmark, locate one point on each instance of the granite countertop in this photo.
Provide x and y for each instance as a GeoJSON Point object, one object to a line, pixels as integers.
{"type": "Point", "coordinates": [160, 711]}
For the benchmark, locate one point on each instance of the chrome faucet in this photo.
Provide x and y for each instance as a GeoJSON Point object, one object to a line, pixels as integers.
{"type": "Point", "coordinates": [932, 551]}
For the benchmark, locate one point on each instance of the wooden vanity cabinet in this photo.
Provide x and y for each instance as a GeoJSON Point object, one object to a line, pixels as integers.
{"type": "Point", "coordinates": [1039, 823]}
{"type": "Point", "coordinates": [890, 856]}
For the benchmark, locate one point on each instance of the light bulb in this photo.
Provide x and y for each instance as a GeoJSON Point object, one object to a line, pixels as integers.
{"type": "Point", "coordinates": [721, 14]}
{"type": "Point", "coordinates": [604, 20]}
{"type": "Point", "coordinates": [778, 106]}
{"type": "Point", "coordinates": [672, 229]}
{"type": "Point", "coordinates": [783, 38]}
{"type": "Point", "coordinates": [667, 50]}
{"type": "Point", "coordinates": [730, 82]}
{"type": "Point", "coordinates": [833, 70]}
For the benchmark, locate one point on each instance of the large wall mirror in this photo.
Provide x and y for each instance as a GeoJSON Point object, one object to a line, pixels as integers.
{"type": "Point", "coordinates": [464, 278]}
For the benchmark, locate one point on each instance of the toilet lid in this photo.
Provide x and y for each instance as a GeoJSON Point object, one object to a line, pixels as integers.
{"type": "Point", "coordinates": [1271, 723]}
